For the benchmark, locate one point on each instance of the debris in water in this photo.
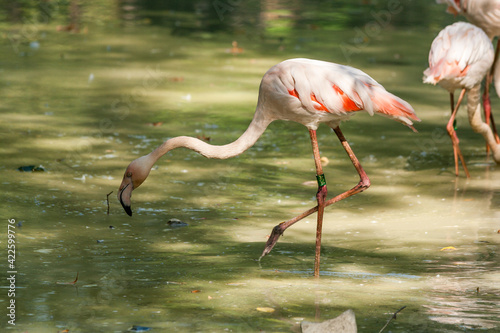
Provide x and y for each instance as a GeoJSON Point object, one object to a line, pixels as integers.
{"type": "Point", "coordinates": [155, 124]}
{"type": "Point", "coordinates": [31, 168]}
{"type": "Point", "coordinates": [448, 248]}
{"type": "Point", "coordinates": [203, 137]}
{"type": "Point", "coordinates": [176, 223]}
{"type": "Point", "coordinates": [394, 316]}
{"type": "Point", "coordinates": [137, 328]}
{"type": "Point", "coordinates": [235, 49]}
{"type": "Point", "coordinates": [265, 309]}
{"type": "Point", "coordinates": [107, 200]}
{"type": "Point", "coordinates": [73, 283]}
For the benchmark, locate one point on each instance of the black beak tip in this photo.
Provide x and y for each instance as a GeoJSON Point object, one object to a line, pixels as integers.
{"type": "Point", "coordinates": [128, 210]}
{"type": "Point", "coordinates": [126, 207]}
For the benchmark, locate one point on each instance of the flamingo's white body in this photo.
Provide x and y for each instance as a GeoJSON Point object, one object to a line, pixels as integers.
{"type": "Point", "coordinates": [486, 15]}
{"type": "Point", "coordinates": [459, 58]}
{"type": "Point", "coordinates": [306, 91]}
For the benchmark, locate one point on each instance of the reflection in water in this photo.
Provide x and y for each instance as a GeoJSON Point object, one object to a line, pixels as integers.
{"type": "Point", "coordinates": [462, 298]}
{"type": "Point", "coordinates": [355, 275]}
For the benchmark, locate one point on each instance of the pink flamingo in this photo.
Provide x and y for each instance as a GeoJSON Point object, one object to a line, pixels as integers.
{"type": "Point", "coordinates": [306, 91]}
{"type": "Point", "coordinates": [459, 58]}
{"type": "Point", "coordinates": [486, 15]}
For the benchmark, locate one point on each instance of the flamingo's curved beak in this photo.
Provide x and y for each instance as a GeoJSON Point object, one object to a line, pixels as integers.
{"type": "Point", "coordinates": [124, 195]}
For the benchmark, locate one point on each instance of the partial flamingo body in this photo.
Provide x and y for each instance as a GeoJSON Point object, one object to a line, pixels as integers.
{"type": "Point", "coordinates": [483, 13]}
{"type": "Point", "coordinates": [306, 91]}
{"type": "Point", "coordinates": [459, 58]}
{"type": "Point", "coordinates": [486, 15]}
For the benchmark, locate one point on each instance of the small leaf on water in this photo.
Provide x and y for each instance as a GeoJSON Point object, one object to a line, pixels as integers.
{"type": "Point", "coordinates": [176, 79]}
{"type": "Point", "coordinates": [265, 309]}
{"type": "Point", "coordinates": [155, 124]}
{"type": "Point", "coordinates": [448, 248]}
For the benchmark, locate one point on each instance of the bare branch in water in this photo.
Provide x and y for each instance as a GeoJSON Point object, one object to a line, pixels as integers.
{"type": "Point", "coordinates": [107, 199]}
{"type": "Point", "coordinates": [393, 317]}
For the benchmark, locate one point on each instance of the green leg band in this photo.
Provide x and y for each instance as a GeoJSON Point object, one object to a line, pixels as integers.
{"type": "Point", "coordinates": [321, 180]}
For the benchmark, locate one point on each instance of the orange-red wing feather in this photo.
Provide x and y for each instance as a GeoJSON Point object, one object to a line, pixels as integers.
{"type": "Point", "coordinates": [293, 93]}
{"type": "Point", "coordinates": [317, 104]}
{"type": "Point", "coordinates": [348, 104]}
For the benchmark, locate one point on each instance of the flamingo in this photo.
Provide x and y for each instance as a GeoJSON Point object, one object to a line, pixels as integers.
{"type": "Point", "coordinates": [309, 92]}
{"type": "Point", "coordinates": [486, 15]}
{"type": "Point", "coordinates": [459, 58]}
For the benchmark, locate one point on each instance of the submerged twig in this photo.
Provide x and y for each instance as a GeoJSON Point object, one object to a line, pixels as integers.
{"type": "Point", "coordinates": [73, 283]}
{"type": "Point", "coordinates": [393, 317]}
{"type": "Point", "coordinates": [107, 199]}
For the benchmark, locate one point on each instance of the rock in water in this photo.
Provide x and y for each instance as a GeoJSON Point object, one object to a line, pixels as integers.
{"type": "Point", "coordinates": [345, 323]}
{"type": "Point", "coordinates": [176, 223]}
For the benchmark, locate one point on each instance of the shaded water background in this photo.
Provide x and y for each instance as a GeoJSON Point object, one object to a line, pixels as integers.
{"type": "Point", "coordinates": [86, 88]}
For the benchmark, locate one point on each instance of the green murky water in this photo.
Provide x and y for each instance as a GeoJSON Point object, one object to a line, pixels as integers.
{"type": "Point", "coordinates": [82, 105]}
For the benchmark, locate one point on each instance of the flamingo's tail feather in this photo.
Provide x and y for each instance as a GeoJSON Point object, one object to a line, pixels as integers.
{"type": "Point", "coordinates": [386, 104]}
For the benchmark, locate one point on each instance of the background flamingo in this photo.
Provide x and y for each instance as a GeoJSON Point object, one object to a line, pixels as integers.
{"type": "Point", "coordinates": [486, 15]}
{"type": "Point", "coordinates": [306, 91]}
{"type": "Point", "coordinates": [459, 58]}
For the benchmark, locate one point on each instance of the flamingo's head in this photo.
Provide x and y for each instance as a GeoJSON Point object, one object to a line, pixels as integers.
{"type": "Point", "coordinates": [135, 175]}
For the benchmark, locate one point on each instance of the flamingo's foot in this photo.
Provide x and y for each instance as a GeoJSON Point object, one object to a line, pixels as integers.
{"type": "Point", "coordinates": [273, 239]}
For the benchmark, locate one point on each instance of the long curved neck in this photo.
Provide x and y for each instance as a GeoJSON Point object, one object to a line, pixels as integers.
{"type": "Point", "coordinates": [476, 122]}
{"type": "Point", "coordinates": [245, 141]}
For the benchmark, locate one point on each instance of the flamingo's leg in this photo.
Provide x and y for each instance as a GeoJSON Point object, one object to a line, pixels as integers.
{"type": "Point", "coordinates": [362, 185]}
{"type": "Point", "coordinates": [454, 138]}
{"type": "Point", "coordinates": [494, 127]}
{"type": "Point", "coordinates": [320, 196]}
{"type": "Point", "coordinates": [488, 115]}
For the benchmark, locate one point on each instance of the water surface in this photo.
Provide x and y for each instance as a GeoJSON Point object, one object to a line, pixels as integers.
{"type": "Point", "coordinates": [84, 104]}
